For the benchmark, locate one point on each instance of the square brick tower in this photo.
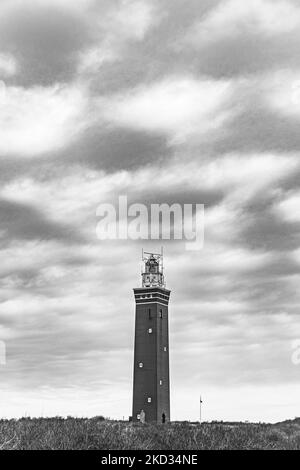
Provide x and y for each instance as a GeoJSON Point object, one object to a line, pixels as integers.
{"type": "Point", "coordinates": [151, 389]}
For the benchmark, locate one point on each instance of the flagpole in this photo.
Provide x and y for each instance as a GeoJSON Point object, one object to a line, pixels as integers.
{"type": "Point", "coordinates": [200, 409]}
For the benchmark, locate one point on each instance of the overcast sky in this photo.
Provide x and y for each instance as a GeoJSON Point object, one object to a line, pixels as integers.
{"type": "Point", "coordinates": [163, 101]}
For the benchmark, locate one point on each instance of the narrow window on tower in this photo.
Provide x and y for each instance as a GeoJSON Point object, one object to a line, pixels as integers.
{"type": "Point", "coordinates": [160, 382]}
{"type": "Point", "coordinates": [149, 399]}
{"type": "Point", "coordinates": [141, 365]}
{"type": "Point", "coordinates": [149, 313]}
{"type": "Point", "coordinates": [165, 348]}
{"type": "Point", "coordinates": [160, 314]}
{"type": "Point", "coordinates": [150, 330]}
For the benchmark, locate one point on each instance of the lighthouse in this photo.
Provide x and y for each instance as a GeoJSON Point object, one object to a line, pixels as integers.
{"type": "Point", "coordinates": [151, 387]}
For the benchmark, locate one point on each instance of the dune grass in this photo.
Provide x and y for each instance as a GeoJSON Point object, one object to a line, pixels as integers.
{"type": "Point", "coordinates": [97, 433]}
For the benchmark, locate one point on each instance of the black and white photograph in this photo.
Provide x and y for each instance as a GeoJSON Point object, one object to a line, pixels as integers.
{"type": "Point", "coordinates": [149, 228]}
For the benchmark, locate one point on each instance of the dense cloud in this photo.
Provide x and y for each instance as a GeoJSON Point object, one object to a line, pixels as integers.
{"type": "Point", "coordinates": [164, 103]}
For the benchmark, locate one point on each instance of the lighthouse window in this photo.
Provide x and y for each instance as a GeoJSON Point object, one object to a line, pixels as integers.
{"type": "Point", "coordinates": [160, 382]}
{"type": "Point", "coordinates": [149, 313]}
{"type": "Point", "coordinates": [165, 348]}
{"type": "Point", "coordinates": [160, 314]}
{"type": "Point", "coordinates": [150, 330]}
{"type": "Point", "coordinates": [141, 365]}
{"type": "Point", "coordinates": [149, 399]}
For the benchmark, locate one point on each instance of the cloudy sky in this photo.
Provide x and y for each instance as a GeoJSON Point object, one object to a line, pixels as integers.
{"type": "Point", "coordinates": [162, 101]}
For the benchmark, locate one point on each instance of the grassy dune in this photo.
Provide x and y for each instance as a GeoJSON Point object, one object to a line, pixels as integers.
{"type": "Point", "coordinates": [97, 433]}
